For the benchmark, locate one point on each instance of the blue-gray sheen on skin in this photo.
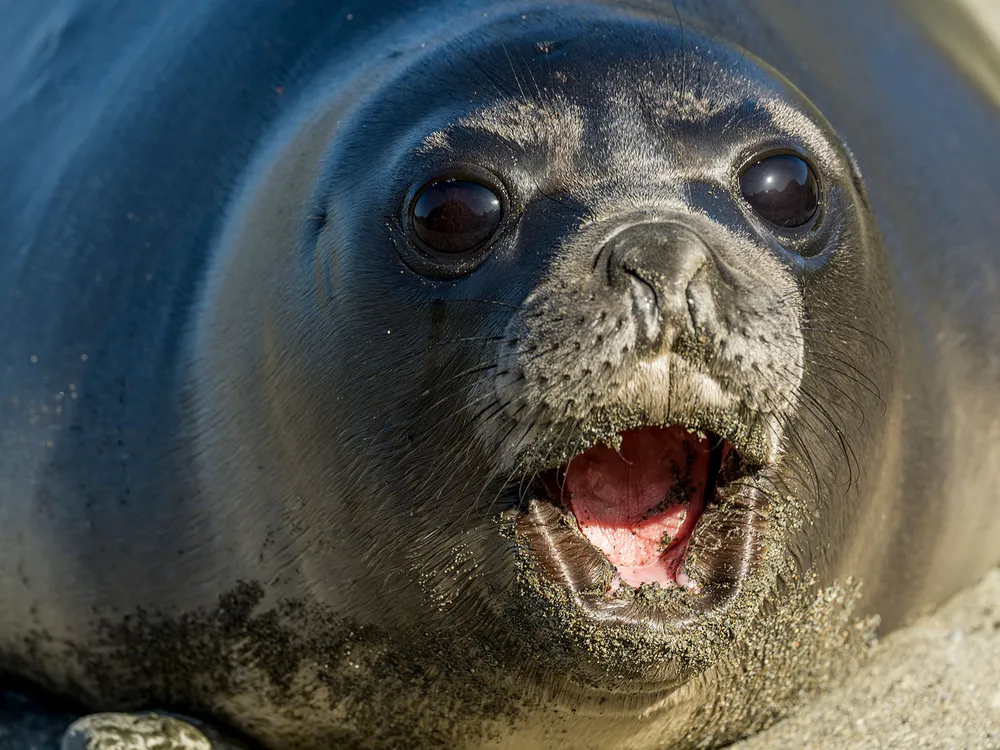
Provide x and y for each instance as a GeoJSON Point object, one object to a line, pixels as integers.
{"type": "Point", "coordinates": [260, 458]}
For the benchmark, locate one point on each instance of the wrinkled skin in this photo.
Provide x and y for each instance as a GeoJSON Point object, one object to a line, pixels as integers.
{"type": "Point", "coordinates": [264, 460]}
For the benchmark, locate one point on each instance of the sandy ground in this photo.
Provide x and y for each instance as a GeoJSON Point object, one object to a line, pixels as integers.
{"type": "Point", "coordinates": [933, 685]}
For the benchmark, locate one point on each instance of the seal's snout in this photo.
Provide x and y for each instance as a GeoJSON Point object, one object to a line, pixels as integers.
{"type": "Point", "coordinates": [656, 265]}
{"type": "Point", "coordinates": [647, 377]}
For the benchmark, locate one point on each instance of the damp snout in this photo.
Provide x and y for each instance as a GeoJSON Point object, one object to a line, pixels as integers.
{"type": "Point", "coordinates": [658, 266]}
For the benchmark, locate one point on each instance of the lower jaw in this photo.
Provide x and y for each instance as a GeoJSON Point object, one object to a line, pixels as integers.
{"type": "Point", "coordinates": [564, 556]}
{"type": "Point", "coordinates": [587, 646]}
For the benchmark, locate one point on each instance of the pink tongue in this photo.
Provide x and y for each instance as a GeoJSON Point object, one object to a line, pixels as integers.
{"type": "Point", "coordinates": [639, 504]}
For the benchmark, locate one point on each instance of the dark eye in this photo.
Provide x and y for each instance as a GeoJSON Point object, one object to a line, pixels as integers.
{"type": "Point", "coordinates": [455, 216]}
{"type": "Point", "coordinates": [782, 190]}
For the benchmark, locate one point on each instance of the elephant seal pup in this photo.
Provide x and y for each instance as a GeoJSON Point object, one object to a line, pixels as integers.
{"type": "Point", "coordinates": [487, 374]}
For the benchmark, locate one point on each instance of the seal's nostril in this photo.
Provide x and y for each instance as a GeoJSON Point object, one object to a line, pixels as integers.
{"type": "Point", "coordinates": [645, 307]}
{"type": "Point", "coordinates": [693, 294]}
{"type": "Point", "coordinates": [655, 263]}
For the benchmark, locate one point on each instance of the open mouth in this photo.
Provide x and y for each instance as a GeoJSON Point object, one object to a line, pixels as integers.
{"type": "Point", "coordinates": [647, 552]}
{"type": "Point", "coordinates": [639, 504]}
{"type": "Point", "coordinates": [648, 506]}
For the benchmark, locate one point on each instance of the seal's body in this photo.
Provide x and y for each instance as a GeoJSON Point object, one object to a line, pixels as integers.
{"type": "Point", "coordinates": [451, 374]}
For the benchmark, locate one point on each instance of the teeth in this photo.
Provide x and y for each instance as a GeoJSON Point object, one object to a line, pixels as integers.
{"type": "Point", "coordinates": [687, 582]}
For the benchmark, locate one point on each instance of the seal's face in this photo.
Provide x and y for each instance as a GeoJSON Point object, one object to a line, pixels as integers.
{"type": "Point", "coordinates": [611, 407]}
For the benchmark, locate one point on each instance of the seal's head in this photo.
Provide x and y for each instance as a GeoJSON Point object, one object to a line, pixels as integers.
{"type": "Point", "coordinates": [583, 288]}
